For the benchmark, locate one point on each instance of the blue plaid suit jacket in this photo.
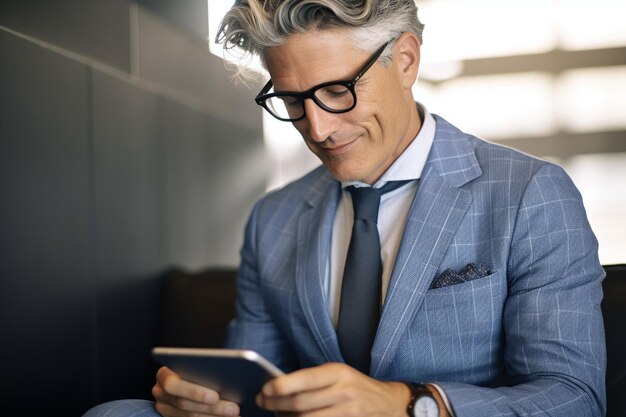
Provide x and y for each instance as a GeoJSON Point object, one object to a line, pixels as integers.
{"type": "Point", "coordinates": [526, 339]}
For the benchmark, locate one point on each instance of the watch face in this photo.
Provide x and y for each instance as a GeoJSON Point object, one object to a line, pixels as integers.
{"type": "Point", "coordinates": [425, 406]}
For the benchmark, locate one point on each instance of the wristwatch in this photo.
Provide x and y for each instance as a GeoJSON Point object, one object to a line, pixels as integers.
{"type": "Point", "coordinates": [422, 403]}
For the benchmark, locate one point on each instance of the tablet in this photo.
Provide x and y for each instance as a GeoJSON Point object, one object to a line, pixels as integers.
{"type": "Point", "coordinates": [237, 375]}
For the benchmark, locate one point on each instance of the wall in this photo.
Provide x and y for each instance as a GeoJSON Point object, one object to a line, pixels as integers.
{"type": "Point", "coordinates": [122, 149]}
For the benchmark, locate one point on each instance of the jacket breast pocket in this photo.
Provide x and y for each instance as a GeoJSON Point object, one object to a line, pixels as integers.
{"type": "Point", "coordinates": [458, 329]}
{"type": "Point", "coordinates": [472, 304]}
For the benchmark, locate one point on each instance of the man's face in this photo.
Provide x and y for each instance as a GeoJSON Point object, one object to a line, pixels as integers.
{"type": "Point", "coordinates": [359, 145]}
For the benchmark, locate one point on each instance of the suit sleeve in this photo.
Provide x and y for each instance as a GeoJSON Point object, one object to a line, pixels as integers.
{"type": "Point", "coordinates": [554, 335]}
{"type": "Point", "coordinates": [253, 327]}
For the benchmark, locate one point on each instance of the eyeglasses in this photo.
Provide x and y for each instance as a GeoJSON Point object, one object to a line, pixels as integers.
{"type": "Point", "coordinates": [333, 96]}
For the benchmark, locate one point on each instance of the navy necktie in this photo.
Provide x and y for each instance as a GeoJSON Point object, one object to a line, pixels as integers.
{"type": "Point", "coordinates": [359, 309]}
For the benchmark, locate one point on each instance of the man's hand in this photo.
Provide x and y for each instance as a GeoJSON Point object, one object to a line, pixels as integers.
{"type": "Point", "coordinates": [176, 397]}
{"type": "Point", "coordinates": [334, 389]}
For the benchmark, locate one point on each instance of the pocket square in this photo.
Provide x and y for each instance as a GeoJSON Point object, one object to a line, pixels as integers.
{"type": "Point", "coordinates": [470, 272]}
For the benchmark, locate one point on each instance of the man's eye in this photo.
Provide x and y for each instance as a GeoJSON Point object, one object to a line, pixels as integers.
{"type": "Point", "coordinates": [336, 91]}
{"type": "Point", "coordinates": [289, 100]}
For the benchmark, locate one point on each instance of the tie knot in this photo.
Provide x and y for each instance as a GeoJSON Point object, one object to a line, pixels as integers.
{"type": "Point", "coordinates": [365, 201]}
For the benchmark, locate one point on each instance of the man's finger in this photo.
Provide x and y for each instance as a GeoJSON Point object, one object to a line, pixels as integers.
{"type": "Point", "coordinates": [308, 379]}
{"type": "Point", "coordinates": [175, 386]}
{"type": "Point", "coordinates": [307, 400]}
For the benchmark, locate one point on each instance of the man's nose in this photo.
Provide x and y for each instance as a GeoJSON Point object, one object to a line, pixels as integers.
{"type": "Point", "coordinates": [320, 123]}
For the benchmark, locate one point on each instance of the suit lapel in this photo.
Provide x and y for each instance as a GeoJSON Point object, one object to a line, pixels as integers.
{"type": "Point", "coordinates": [437, 210]}
{"type": "Point", "coordinates": [313, 246]}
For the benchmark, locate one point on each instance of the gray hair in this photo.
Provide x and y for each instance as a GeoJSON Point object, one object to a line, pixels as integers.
{"type": "Point", "coordinates": [252, 26]}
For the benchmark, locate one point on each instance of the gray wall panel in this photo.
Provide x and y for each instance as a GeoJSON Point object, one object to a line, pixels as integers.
{"type": "Point", "coordinates": [241, 171]}
{"type": "Point", "coordinates": [129, 232]}
{"type": "Point", "coordinates": [214, 172]}
{"type": "Point", "coordinates": [97, 29]}
{"type": "Point", "coordinates": [191, 185]}
{"type": "Point", "coordinates": [189, 15]}
{"type": "Point", "coordinates": [45, 279]}
{"type": "Point", "coordinates": [162, 52]}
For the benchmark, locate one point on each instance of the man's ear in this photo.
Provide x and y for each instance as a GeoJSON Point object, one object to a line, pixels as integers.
{"type": "Point", "coordinates": [406, 54]}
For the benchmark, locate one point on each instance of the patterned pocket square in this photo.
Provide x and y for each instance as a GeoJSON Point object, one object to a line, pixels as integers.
{"type": "Point", "coordinates": [470, 272]}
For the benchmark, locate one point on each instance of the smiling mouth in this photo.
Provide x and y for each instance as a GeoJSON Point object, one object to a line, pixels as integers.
{"type": "Point", "coordinates": [338, 150]}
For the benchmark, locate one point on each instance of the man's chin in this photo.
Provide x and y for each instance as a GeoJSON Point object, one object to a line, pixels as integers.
{"type": "Point", "coordinates": [344, 175]}
{"type": "Point", "coordinates": [346, 168]}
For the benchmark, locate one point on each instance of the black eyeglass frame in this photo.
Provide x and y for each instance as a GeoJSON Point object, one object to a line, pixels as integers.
{"type": "Point", "coordinates": [262, 97]}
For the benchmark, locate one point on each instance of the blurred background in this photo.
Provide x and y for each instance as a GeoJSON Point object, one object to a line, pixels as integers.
{"type": "Point", "coordinates": [125, 150]}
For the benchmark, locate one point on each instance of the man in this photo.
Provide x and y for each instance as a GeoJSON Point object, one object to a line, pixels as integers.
{"type": "Point", "coordinates": [487, 299]}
